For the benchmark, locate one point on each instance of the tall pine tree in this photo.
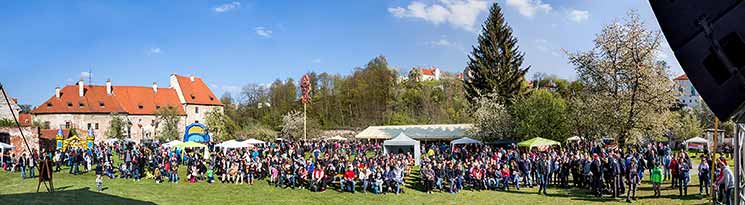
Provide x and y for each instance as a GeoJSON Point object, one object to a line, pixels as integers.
{"type": "Point", "coordinates": [494, 65]}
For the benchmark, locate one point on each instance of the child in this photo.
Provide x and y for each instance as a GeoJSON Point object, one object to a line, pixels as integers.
{"type": "Point", "coordinates": [210, 177]}
{"type": "Point", "coordinates": [656, 180]}
{"type": "Point", "coordinates": [99, 182]}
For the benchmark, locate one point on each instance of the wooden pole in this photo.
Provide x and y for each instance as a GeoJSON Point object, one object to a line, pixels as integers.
{"type": "Point", "coordinates": [305, 118]}
{"type": "Point", "coordinates": [714, 157]}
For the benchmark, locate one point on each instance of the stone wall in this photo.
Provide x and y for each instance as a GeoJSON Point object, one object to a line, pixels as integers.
{"type": "Point", "coordinates": [192, 115]}
{"type": "Point", "coordinates": [31, 134]}
{"type": "Point", "coordinates": [141, 125]}
{"type": "Point", "coordinates": [5, 111]}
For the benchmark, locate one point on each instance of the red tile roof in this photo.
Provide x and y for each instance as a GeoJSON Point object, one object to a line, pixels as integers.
{"type": "Point", "coordinates": [137, 100]}
{"type": "Point", "coordinates": [428, 71]}
{"type": "Point", "coordinates": [196, 92]}
{"type": "Point", "coordinates": [51, 134]}
{"type": "Point", "coordinates": [25, 119]}
{"type": "Point", "coordinates": [681, 77]}
{"type": "Point", "coordinates": [125, 99]}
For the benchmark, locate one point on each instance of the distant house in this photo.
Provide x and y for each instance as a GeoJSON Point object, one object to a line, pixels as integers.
{"type": "Point", "coordinates": [425, 74]}
{"type": "Point", "coordinates": [687, 94]}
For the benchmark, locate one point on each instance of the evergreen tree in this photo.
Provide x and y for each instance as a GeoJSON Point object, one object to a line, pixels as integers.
{"type": "Point", "coordinates": [494, 65]}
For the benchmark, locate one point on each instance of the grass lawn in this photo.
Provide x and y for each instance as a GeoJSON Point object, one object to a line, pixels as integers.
{"type": "Point", "coordinates": [82, 190]}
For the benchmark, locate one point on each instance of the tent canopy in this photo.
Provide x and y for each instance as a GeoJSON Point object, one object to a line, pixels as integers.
{"type": "Point", "coordinates": [189, 145]}
{"type": "Point", "coordinates": [172, 143]}
{"type": "Point", "coordinates": [254, 141]}
{"type": "Point", "coordinates": [402, 142]}
{"type": "Point", "coordinates": [574, 138]}
{"type": "Point", "coordinates": [4, 146]}
{"type": "Point", "coordinates": [232, 144]}
{"type": "Point", "coordinates": [336, 138]}
{"type": "Point", "coordinates": [699, 140]}
{"type": "Point", "coordinates": [538, 142]}
{"type": "Point", "coordinates": [465, 140]}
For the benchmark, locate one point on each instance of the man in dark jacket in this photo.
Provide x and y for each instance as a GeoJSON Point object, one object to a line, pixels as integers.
{"type": "Point", "coordinates": [597, 175]}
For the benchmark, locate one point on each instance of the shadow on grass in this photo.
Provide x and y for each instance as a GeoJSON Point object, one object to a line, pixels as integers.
{"type": "Point", "coordinates": [74, 196]}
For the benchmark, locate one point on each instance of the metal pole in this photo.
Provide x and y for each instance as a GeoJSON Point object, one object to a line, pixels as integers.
{"type": "Point", "coordinates": [738, 171]}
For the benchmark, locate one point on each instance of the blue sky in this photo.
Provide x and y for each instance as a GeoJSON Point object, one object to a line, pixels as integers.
{"type": "Point", "coordinates": [233, 43]}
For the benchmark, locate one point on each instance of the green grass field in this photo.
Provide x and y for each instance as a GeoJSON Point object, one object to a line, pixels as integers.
{"type": "Point", "coordinates": [81, 190]}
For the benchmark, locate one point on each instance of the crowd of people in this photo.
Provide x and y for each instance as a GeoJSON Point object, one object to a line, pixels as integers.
{"type": "Point", "coordinates": [363, 167]}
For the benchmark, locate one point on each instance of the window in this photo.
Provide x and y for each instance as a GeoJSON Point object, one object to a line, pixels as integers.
{"type": "Point", "coordinates": [157, 107]}
{"type": "Point", "coordinates": [196, 110]}
{"type": "Point", "coordinates": [89, 126]}
{"type": "Point", "coordinates": [96, 125]}
{"type": "Point", "coordinates": [69, 104]}
{"type": "Point", "coordinates": [212, 98]}
{"type": "Point", "coordinates": [193, 97]}
{"type": "Point", "coordinates": [47, 124]}
{"type": "Point", "coordinates": [67, 125]}
{"type": "Point", "coordinates": [49, 104]}
{"type": "Point", "coordinates": [100, 103]}
{"type": "Point", "coordinates": [140, 106]}
{"type": "Point", "coordinates": [81, 105]}
{"type": "Point", "coordinates": [5, 138]}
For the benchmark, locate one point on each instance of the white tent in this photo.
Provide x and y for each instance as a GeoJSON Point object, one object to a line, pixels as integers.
{"type": "Point", "coordinates": [112, 141]}
{"type": "Point", "coordinates": [403, 143]}
{"type": "Point", "coordinates": [4, 147]}
{"type": "Point", "coordinates": [232, 144]}
{"type": "Point", "coordinates": [574, 138]}
{"type": "Point", "coordinates": [464, 140]}
{"type": "Point", "coordinates": [172, 143]}
{"type": "Point", "coordinates": [696, 143]}
{"type": "Point", "coordinates": [336, 138]}
{"type": "Point", "coordinates": [254, 141]}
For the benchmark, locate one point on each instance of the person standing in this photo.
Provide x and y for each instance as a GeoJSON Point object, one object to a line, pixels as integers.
{"type": "Point", "coordinates": [632, 178]}
{"type": "Point", "coordinates": [543, 171]}
{"type": "Point", "coordinates": [683, 174]}
{"type": "Point", "coordinates": [726, 181]}
{"type": "Point", "coordinates": [656, 178]}
{"type": "Point", "coordinates": [22, 165]}
{"type": "Point", "coordinates": [597, 175]}
{"type": "Point", "coordinates": [704, 174]}
{"type": "Point", "coordinates": [614, 171]}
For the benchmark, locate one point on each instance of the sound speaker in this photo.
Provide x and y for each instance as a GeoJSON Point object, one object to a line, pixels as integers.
{"type": "Point", "coordinates": [707, 38]}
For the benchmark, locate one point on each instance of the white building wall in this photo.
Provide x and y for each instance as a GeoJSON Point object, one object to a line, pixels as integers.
{"type": "Point", "coordinates": [688, 95]}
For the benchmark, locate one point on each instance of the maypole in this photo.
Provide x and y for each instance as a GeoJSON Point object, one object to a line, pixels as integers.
{"type": "Point", "coordinates": [305, 87]}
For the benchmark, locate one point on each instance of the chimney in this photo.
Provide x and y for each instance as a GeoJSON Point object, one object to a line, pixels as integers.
{"type": "Point", "coordinates": [155, 87]}
{"type": "Point", "coordinates": [108, 87]}
{"type": "Point", "coordinates": [191, 77]}
{"type": "Point", "coordinates": [81, 88]}
{"type": "Point", "coordinates": [57, 92]}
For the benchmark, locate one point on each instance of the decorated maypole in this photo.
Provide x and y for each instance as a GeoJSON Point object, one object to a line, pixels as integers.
{"type": "Point", "coordinates": [305, 87]}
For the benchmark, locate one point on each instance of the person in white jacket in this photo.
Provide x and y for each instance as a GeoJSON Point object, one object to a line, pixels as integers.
{"type": "Point", "coordinates": [728, 180]}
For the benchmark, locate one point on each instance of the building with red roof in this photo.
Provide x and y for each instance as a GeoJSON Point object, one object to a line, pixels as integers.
{"type": "Point", "coordinates": [687, 94]}
{"type": "Point", "coordinates": [93, 106]}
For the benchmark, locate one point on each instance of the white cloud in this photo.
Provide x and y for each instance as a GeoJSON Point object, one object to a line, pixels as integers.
{"type": "Point", "coordinates": [529, 8]}
{"type": "Point", "coordinates": [264, 32]}
{"type": "Point", "coordinates": [86, 74]}
{"type": "Point", "coordinates": [227, 7]}
{"type": "Point", "coordinates": [458, 13]}
{"type": "Point", "coordinates": [546, 47]}
{"type": "Point", "coordinates": [154, 51]}
{"type": "Point", "coordinates": [441, 42]}
{"type": "Point", "coordinates": [578, 15]}
{"type": "Point", "coordinates": [231, 88]}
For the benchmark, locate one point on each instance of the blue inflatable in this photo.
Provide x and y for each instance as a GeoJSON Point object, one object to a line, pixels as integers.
{"type": "Point", "coordinates": [196, 132]}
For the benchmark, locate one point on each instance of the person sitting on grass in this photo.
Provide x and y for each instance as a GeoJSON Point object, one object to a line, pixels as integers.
{"type": "Point", "coordinates": [505, 178]}
{"type": "Point", "coordinates": [378, 181]}
{"type": "Point", "coordinates": [319, 182]}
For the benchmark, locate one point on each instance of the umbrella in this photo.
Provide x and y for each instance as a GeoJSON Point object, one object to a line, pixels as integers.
{"type": "Point", "coordinates": [538, 142]}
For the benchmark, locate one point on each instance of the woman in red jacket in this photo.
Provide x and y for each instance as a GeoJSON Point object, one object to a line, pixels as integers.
{"type": "Point", "coordinates": [674, 170]}
{"type": "Point", "coordinates": [349, 178]}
